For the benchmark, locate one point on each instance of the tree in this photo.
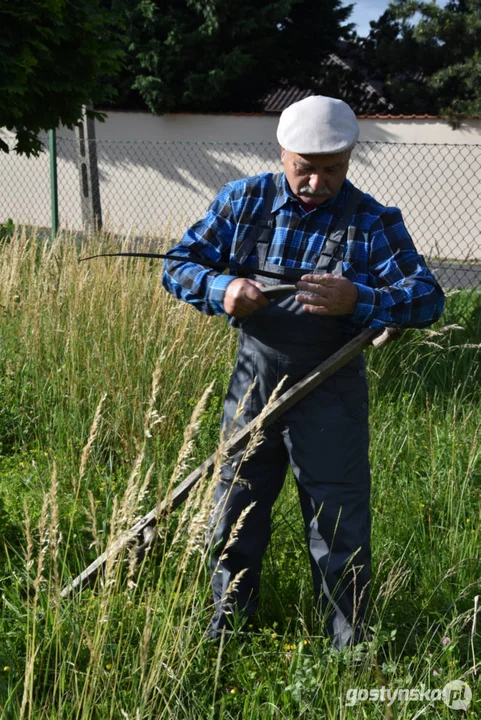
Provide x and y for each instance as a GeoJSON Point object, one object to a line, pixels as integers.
{"type": "Point", "coordinates": [428, 56]}
{"type": "Point", "coordinates": [392, 56]}
{"type": "Point", "coordinates": [455, 32]}
{"type": "Point", "coordinates": [222, 55]}
{"type": "Point", "coordinates": [55, 56]}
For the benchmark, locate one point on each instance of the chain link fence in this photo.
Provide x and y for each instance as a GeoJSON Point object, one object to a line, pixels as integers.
{"type": "Point", "coordinates": [158, 189]}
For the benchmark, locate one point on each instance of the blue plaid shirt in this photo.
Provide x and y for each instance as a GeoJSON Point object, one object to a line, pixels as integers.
{"type": "Point", "coordinates": [395, 286]}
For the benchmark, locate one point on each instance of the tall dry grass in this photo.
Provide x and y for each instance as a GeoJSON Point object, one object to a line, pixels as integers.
{"type": "Point", "coordinates": [100, 374]}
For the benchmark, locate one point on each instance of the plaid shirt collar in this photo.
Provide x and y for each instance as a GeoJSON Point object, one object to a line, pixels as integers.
{"type": "Point", "coordinates": [333, 205]}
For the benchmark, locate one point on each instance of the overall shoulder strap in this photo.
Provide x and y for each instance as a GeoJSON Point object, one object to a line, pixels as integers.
{"type": "Point", "coordinates": [246, 247]}
{"type": "Point", "coordinates": [332, 250]}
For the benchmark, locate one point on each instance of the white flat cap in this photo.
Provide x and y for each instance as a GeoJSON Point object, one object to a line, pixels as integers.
{"type": "Point", "coordinates": [317, 125]}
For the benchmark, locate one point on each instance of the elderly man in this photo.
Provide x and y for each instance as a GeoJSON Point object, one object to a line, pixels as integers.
{"type": "Point", "coordinates": [356, 267]}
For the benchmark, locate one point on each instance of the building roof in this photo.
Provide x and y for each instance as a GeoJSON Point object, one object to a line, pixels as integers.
{"type": "Point", "coordinates": [401, 117]}
{"type": "Point", "coordinates": [363, 95]}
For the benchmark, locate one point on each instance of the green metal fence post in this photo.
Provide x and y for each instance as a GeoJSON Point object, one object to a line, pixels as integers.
{"type": "Point", "coordinates": [52, 141]}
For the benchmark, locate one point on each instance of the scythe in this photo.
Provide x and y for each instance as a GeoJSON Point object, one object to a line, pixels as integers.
{"type": "Point", "coordinates": [143, 532]}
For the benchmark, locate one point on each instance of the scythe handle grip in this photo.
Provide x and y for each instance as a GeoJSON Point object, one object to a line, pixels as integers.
{"type": "Point", "coordinates": [389, 335]}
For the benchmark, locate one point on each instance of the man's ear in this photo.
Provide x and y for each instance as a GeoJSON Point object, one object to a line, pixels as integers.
{"type": "Point", "coordinates": [283, 153]}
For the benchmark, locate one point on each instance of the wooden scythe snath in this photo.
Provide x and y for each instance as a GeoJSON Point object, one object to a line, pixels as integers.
{"type": "Point", "coordinates": [144, 529]}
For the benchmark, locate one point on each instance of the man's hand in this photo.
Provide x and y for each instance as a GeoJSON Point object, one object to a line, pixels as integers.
{"type": "Point", "coordinates": [332, 294]}
{"type": "Point", "coordinates": [243, 297]}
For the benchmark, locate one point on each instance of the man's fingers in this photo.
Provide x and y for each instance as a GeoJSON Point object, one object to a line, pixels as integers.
{"type": "Point", "coordinates": [326, 279]}
{"type": "Point", "coordinates": [257, 284]}
{"type": "Point", "coordinates": [335, 293]}
{"type": "Point", "coordinates": [254, 293]}
{"type": "Point", "coordinates": [245, 308]}
{"type": "Point", "coordinates": [313, 287]}
{"type": "Point", "coordinates": [250, 304]}
{"type": "Point", "coordinates": [316, 299]}
{"type": "Point", "coordinates": [316, 310]}
{"type": "Point", "coordinates": [243, 297]}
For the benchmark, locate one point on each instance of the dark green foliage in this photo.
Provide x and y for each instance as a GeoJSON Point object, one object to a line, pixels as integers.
{"type": "Point", "coordinates": [55, 56]}
{"type": "Point", "coordinates": [456, 32]}
{"type": "Point", "coordinates": [220, 55]}
{"type": "Point", "coordinates": [6, 230]}
{"type": "Point", "coordinates": [392, 54]}
{"type": "Point", "coordinates": [431, 64]}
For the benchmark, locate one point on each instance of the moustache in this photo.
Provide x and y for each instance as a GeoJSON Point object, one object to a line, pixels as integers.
{"type": "Point", "coordinates": [307, 190]}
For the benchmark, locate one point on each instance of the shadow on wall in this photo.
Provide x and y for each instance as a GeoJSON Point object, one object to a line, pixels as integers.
{"type": "Point", "coordinates": [185, 163]}
{"type": "Point", "coordinates": [148, 185]}
{"type": "Point", "coordinates": [189, 163]}
{"type": "Point", "coordinates": [160, 188]}
{"type": "Point", "coordinates": [436, 187]}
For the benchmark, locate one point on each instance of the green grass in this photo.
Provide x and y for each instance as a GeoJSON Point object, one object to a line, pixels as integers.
{"type": "Point", "coordinates": [100, 372]}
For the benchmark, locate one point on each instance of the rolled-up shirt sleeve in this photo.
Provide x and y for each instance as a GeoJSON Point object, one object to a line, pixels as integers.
{"type": "Point", "coordinates": [399, 289]}
{"type": "Point", "coordinates": [208, 239]}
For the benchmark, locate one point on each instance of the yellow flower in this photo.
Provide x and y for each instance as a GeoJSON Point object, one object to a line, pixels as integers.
{"type": "Point", "coordinates": [421, 505]}
{"type": "Point", "coordinates": [468, 519]}
{"type": "Point", "coordinates": [273, 636]}
{"type": "Point", "coordinates": [109, 666]}
{"type": "Point", "coordinates": [233, 691]}
{"type": "Point", "coordinates": [6, 668]}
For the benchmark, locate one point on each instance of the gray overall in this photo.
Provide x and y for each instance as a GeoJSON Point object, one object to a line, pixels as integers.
{"type": "Point", "coordinates": [324, 438]}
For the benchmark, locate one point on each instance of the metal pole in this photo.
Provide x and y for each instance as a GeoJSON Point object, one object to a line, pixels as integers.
{"type": "Point", "coordinates": [89, 173]}
{"type": "Point", "coordinates": [52, 141]}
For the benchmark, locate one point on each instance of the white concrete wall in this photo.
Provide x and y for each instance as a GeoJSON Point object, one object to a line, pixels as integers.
{"type": "Point", "coordinates": [418, 131]}
{"type": "Point", "coordinates": [134, 127]}
{"type": "Point", "coordinates": [158, 174]}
